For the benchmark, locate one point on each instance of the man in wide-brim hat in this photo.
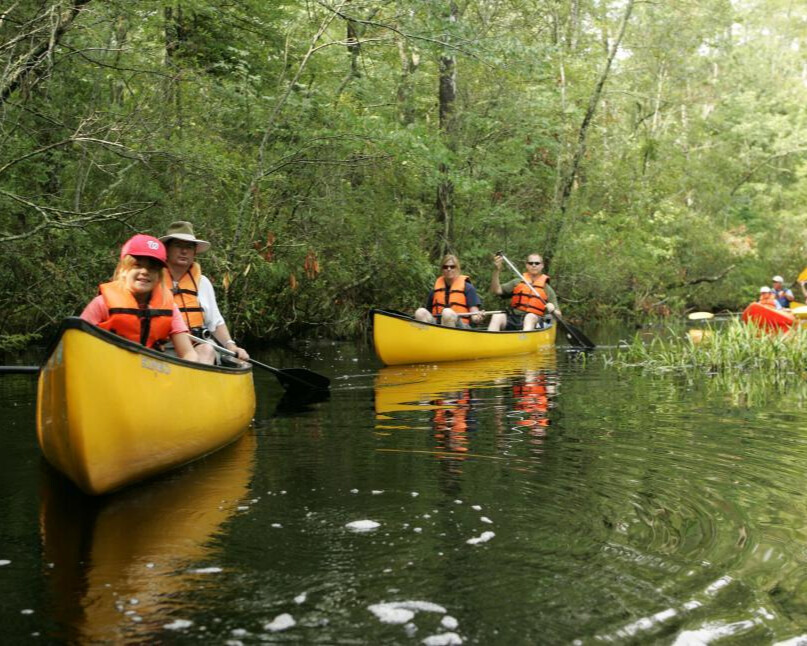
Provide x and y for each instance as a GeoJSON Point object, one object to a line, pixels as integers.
{"type": "Point", "coordinates": [193, 292]}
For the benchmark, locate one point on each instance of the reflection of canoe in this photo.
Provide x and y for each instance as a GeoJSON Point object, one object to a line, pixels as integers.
{"type": "Point", "coordinates": [768, 318]}
{"type": "Point", "coordinates": [111, 412]}
{"type": "Point", "coordinates": [121, 563]}
{"type": "Point", "coordinates": [412, 387]}
{"type": "Point", "coordinates": [400, 339]}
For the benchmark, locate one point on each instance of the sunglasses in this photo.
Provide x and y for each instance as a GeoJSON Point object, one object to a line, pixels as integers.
{"type": "Point", "coordinates": [449, 266]}
{"type": "Point", "coordinates": [535, 262]}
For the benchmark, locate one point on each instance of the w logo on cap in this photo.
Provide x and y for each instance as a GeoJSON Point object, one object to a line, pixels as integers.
{"type": "Point", "coordinates": [153, 245]}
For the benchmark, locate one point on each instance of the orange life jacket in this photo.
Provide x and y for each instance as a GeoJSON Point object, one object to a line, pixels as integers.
{"type": "Point", "coordinates": [186, 295]}
{"type": "Point", "coordinates": [523, 298]}
{"type": "Point", "coordinates": [149, 326]}
{"type": "Point", "coordinates": [453, 296]}
{"type": "Point", "coordinates": [533, 398]}
{"type": "Point", "coordinates": [451, 422]}
{"type": "Point", "coordinates": [768, 299]}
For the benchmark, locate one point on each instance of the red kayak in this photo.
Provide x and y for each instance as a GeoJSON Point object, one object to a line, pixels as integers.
{"type": "Point", "coordinates": [768, 318]}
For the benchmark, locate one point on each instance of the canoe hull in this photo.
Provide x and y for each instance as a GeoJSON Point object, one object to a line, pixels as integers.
{"type": "Point", "coordinates": [111, 412]}
{"type": "Point", "coordinates": [768, 318]}
{"type": "Point", "coordinates": [399, 340]}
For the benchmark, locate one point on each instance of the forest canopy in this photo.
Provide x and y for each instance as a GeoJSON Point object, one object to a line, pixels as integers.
{"type": "Point", "coordinates": [331, 151]}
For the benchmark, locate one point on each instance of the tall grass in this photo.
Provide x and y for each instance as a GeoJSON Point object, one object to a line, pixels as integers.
{"type": "Point", "coordinates": [730, 348]}
{"type": "Point", "coordinates": [743, 364]}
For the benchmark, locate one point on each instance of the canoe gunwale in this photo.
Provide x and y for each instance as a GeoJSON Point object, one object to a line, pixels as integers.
{"type": "Point", "coordinates": [76, 323]}
{"type": "Point", "coordinates": [411, 319]}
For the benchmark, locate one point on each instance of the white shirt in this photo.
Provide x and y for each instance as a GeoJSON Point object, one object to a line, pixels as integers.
{"type": "Point", "coordinates": [207, 301]}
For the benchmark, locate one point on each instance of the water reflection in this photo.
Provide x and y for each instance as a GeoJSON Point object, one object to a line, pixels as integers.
{"type": "Point", "coordinates": [512, 393]}
{"type": "Point", "coordinates": [117, 565]}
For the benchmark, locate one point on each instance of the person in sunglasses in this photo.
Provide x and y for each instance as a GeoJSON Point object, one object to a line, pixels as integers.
{"type": "Point", "coordinates": [526, 310]}
{"type": "Point", "coordinates": [452, 297]}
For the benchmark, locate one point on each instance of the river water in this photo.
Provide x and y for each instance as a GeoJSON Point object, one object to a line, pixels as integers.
{"type": "Point", "coordinates": [541, 499]}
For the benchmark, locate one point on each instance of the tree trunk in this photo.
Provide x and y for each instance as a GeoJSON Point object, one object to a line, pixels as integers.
{"type": "Point", "coordinates": [569, 179]}
{"type": "Point", "coordinates": [447, 106]}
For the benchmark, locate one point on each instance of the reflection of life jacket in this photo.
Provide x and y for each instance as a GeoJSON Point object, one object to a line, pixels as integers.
{"type": "Point", "coordinates": [768, 299]}
{"type": "Point", "coordinates": [532, 398]}
{"type": "Point", "coordinates": [149, 326]}
{"type": "Point", "coordinates": [186, 295]}
{"type": "Point", "coordinates": [451, 422]}
{"type": "Point", "coordinates": [523, 298]}
{"type": "Point", "coordinates": [453, 297]}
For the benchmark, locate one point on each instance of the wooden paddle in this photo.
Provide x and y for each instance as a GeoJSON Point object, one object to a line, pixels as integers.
{"type": "Point", "coordinates": [289, 378]}
{"type": "Point", "coordinates": [573, 334]}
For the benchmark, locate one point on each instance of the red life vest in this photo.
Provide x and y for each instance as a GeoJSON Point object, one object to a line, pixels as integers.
{"type": "Point", "coordinates": [453, 297]}
{"type": "Point", "coordinates": [768, 299]}
{"type": "Point", "coordinates": [148, 326]}
{"type": "Point", "coordinates": [523, 298]}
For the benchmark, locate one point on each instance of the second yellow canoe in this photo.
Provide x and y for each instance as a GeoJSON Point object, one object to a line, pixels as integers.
{"type": "Point", "coordinates": [399, 339]}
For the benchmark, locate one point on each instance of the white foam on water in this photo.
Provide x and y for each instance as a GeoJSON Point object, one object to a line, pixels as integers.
{"type": "Point", "coordinates": [239, 632]}
{"type": "Point", "coordinates": [389, 614]}
{"type": "Point", "coordinates": [377, 492]}
{"type": "Point", "coordinates": [415, 494]}
{"type": "Point", "coordinates": [363, 525]}
{"type": "Point", "coordinates": [281, 622]}
{"type": "Point", "coordinates": [300, 598]}
{"type": "Point", "coordinates": [449, 622]}
{"type": "Point", "coordinates": [178, 624]}
{"type": "Point", "coordinates": [277, 525]}
{"type": "Point", "coordinates": [487, 520]}
{"type": "Point", "coordinates": [444, 639]}
{"type": "Point", "coordinates": [4, 561]}
{"type": "Point", "coordinates": [476, 507]}
{"type": "Point", "coordinates": [354, 491]}
{"type": "Point", "coordinates": [27, 611]}
{"type": "Point", "coordinates": [484, 538]}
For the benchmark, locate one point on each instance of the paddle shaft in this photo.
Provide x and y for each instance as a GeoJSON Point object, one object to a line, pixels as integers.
{"type": "Point", "coordinates": [483, 313]}
{"type": "Point", "coordinates": [571, 332]}
{"type": "Point", "coordinates": [294, 378]}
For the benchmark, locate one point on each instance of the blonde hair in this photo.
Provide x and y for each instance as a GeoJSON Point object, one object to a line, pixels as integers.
{"type": "Point", "coordinates": [451, 257]}
{"type": "Point", "coordinates": [127, 263]}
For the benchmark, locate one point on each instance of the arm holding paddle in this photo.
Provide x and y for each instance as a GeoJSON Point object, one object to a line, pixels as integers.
{"type": "Point", "coordinates": [574, 335]}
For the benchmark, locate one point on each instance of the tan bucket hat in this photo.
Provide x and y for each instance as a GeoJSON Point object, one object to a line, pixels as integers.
{"type": "Point", "coordinates": [182, 230]}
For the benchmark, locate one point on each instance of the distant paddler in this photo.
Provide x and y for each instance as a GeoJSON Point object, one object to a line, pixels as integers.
{"type": "Point", "coordinates": [526, 309]}
{"type": "Point", "coordinates": [451, 298]}
{"type": "Point", "coordinates": [782, 294]}
{"type": "Point", "coordinates": [768, 298]}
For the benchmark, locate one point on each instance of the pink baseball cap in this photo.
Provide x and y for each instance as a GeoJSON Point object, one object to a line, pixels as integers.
{"type": "Point", "coordinates": [144, 245]}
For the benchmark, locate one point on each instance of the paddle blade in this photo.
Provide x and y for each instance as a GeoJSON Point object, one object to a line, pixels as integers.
{"type": "Point", "coordinates": [297, 379]}
{"type": "Point", "coordinates": [700, 316]}
{"type": "Point", "coordinates": [574, 335]}
{"type": "Point", "coordinates": [802, 276]}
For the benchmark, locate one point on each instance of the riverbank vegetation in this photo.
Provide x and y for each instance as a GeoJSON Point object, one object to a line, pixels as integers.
{"type": "Point", "coordinates": [331, 151]}
{"type": "Point", "coordinates": [732, 348]}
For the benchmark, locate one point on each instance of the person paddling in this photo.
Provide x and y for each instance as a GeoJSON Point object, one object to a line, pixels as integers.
{"type": "Point", "coordinates": [783, 295]}
{"type": "Point", "coordinates": [452, 295]}
{"type": "Point", "coordinates": [193, 292]}
{"type": "Point", "coordinates": [135, 305]}
{"type": "Point", "coordinates": [525, 309]}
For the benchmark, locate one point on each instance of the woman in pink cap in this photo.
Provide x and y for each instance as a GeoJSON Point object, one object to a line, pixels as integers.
{"type": "Point", "coordinates": [135, 305]}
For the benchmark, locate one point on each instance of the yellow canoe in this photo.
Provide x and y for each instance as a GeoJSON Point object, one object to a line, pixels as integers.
{"type": "Point", "coordinates": [400, 339]}
{"type": "Point", "coordinates": [111, 412]}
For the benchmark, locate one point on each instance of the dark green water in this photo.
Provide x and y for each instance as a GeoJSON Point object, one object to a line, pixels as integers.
{"type": "Point", "coordinates": [538, 500]}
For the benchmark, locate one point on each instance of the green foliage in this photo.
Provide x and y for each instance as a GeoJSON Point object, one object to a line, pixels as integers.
{"type": "Point", "coordinates": [258, 122]}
